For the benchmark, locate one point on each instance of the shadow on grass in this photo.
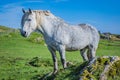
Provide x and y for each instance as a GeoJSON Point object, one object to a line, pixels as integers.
{"type": "Point", "coordinates": [75, 71]}
{"type": "Point", "coordinates": [72, 73]}
{"type": "Point", "coordinates": [48, 76]}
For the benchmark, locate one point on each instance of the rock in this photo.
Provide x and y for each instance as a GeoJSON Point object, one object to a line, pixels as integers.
{"type": "Point", "coordinates": [108, 63]}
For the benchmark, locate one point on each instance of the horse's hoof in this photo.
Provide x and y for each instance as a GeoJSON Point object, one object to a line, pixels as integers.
{"type": "Point", "coordinates": [65, 68]}
{"type": "Point", "coordinates": [55, 72]}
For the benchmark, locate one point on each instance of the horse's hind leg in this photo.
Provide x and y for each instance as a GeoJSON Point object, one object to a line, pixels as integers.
{"type": "Point", "coordinates": [92, 51]}
{"type": "Point", "coordinates": [83, 53]}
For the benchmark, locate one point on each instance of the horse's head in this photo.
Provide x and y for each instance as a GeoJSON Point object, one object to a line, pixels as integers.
{"type": "Point", "coordinates": [32, 20]}
{"type": "Point", "coordinates": [28, 23]}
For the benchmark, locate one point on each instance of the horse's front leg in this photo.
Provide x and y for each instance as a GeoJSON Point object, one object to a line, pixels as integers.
{"type": "Point", "coordinates": [62, 55]}
{"type": "Point", "coordinates": [53, 53]}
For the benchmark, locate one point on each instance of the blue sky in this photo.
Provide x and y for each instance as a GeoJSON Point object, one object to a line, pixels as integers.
{"type": "Point", "coordinates": [103, 14]}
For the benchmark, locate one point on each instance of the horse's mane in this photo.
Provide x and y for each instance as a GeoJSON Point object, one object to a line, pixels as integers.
{"type": "Point", "coordinates": [54, 19]}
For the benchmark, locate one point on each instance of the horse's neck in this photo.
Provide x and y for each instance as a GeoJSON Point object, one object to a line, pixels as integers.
{"type": "Point", "coordinates": [46, 28]}
{"type": "Point", "coordinates": [50, 26]}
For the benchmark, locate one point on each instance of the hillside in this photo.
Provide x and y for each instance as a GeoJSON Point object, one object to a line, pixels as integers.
{"type": "Point", "coordinates": [29, 59]}
{"type": "Point", "coordinates": [4, 28]}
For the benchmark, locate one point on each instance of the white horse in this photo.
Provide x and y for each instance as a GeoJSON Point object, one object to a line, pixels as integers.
{"type": "Point", "coordinates": [60, 36]}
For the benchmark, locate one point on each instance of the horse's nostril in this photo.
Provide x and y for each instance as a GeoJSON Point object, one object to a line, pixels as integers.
{"type": "Point", "coordinates": [24, 32]}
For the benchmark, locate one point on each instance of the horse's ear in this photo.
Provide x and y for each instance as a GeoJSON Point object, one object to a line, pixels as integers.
{"type": "Point", "coordinates": [47, 12]}
{"type": "Point", "coordinates": [23, 10]}
{"type": "Point", "coordinates": [30, 11]}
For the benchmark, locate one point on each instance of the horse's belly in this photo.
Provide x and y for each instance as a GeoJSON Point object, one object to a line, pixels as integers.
{"type": "Point", "coordinates": [75, 47]}
{"type": "Point", "coordinates": [72, 49]}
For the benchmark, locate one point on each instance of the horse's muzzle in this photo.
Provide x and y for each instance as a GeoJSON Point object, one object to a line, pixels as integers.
{"type": "Point", "coordinates": [24, 33]}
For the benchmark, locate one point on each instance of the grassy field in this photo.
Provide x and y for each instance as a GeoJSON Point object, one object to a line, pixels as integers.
{"type": "Point", "coordinates": [22, 59]}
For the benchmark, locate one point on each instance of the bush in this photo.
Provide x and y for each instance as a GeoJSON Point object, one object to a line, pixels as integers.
{"type": "Point", "coordinates": [36, 38]}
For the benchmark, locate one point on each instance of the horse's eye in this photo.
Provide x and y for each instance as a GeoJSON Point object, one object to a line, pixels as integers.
{"type": "Point", "coordinates": [29, 19]}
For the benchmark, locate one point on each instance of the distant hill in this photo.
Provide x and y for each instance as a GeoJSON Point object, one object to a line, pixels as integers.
{"type": "Point", "coordinates": [109, 36]}
{"type": "Point", "coordinates": [4, 28]}
{"type": "Point", "coordinates": [11, 32]}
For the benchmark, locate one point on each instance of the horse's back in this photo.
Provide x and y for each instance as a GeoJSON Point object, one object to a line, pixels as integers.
{"type": "Point", "coordinates": [93, 33]}
{"type": "Point", "coordinates": [89, 29]}
{"type": "Point", "coordinates": [85, 35]}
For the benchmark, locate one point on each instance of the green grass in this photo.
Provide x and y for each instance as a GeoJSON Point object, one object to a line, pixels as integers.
{"type": "Point", "coordinates": [3, 28]}
{"type": "Point", "coordinates": [16, 52]}
{"type": "Point", "coordinates": [108, 48]}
